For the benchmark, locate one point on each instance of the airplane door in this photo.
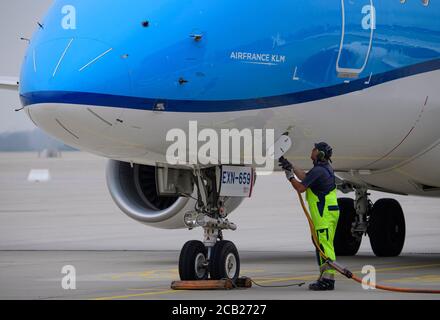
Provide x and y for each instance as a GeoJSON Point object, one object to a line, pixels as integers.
{"type": "Point", "coordinates": [358, 25]}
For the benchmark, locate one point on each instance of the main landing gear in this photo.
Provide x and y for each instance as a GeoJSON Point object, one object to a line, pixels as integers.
{"type": "Point", "coordinates": [214, 258]}
{"type": "Point", "coordinates": [383, 222]}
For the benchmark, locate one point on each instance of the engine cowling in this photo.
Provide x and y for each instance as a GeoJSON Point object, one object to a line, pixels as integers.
{"type": "Point", "coordinates": [133, 188]}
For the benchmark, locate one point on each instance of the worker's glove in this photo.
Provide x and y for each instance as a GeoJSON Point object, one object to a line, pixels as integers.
{"type": "Point", "coordinates": [285, 164]}
{"type": "Point", "coordinates": [287, 167]}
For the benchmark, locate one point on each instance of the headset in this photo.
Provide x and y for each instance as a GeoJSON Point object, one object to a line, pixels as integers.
{"type": "Point", "coordinates": [325, 152]}
{"type": "Point", "coordinates": [321, 155]}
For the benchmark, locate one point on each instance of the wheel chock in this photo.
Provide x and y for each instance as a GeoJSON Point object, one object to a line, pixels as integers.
{"type": "Point", "coordinates": [226, 284]}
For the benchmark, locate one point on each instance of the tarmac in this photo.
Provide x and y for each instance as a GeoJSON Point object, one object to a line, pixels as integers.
{"type": "Point", "coordinates": [71, 220]}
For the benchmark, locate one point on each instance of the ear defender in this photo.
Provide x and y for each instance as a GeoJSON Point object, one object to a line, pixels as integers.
{"type": "Point", "coordinates": [321, 155]}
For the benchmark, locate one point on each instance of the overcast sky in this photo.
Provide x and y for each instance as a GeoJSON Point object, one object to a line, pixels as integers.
{"type": "Point", "coordinates": [18, 18]}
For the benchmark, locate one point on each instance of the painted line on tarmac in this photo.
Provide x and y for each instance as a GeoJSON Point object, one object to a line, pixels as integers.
{"type": "Point", "coordinates": [263, 281]}
{"type": "Point", "coordinates": [135, 295]}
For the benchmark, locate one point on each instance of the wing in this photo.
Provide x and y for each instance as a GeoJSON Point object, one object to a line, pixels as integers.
{"type": "Point", "coordinates": [9, 83]}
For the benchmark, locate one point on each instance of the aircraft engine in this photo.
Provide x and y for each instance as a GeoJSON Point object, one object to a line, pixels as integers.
{"type": "Point", "coordinates": [134, 190]}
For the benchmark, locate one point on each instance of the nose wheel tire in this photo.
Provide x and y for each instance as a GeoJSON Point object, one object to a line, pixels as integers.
{"type": "Point", "coordinates": [193, 261]}
{"type": "Point", "coordinates": [346, 244]}
{"type": "Point", "coordinates": [387, 228]}
{"type": "Point", "coordinates": [225, 261]}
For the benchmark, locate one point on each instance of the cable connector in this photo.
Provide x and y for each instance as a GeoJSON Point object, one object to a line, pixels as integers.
{"type": "Point", "coordinates": [343, 270]}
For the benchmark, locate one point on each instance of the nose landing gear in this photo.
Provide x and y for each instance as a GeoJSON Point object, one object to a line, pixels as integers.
{"type": "Point", "coordinates": [213, 258]}
{"type": "Point", "coordinates": [224, 262]}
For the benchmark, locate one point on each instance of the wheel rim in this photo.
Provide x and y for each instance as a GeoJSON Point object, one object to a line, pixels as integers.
{"type": "Point", "coordinates": [200, 266]}
{"type": "Point", "coordinates": [231, 265]}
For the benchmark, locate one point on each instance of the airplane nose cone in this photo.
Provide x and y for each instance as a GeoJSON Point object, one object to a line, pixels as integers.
{"type": "Point", "coordinates": [59, 79]}
{"type": "Point", "coordinates": [74, 65]}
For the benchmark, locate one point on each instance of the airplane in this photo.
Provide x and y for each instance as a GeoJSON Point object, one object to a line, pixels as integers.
{"type": "Point", "coordinates": [113, 77]}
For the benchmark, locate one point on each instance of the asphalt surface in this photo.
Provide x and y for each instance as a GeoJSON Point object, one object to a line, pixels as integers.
{"type": "Point", "coordinates": [72, 221]}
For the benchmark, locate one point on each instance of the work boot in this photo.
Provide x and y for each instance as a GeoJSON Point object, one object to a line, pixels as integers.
{"type": "Point", "coordinates": [322, 285]}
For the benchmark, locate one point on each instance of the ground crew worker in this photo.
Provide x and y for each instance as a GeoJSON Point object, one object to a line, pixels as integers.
{"type": "Point", "coordinates": [320, 187]}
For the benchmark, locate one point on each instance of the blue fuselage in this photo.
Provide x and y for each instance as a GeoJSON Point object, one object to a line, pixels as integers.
{"type": "Point", "coordinates": [215, 56]}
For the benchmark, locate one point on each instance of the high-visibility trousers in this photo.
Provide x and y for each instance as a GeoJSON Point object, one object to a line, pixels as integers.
{"type": "Point", "coordinates": [324, 211]}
